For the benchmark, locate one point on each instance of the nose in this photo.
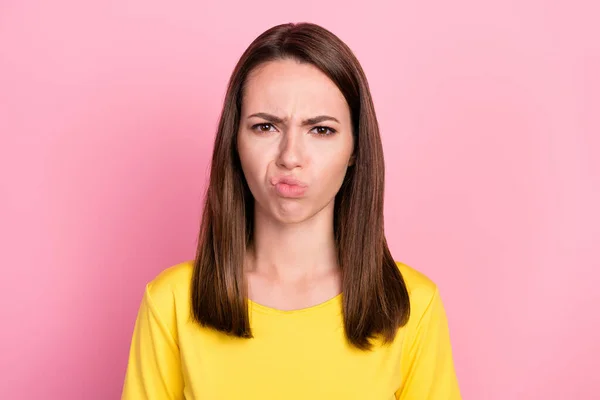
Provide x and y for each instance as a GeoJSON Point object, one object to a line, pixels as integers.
{"type": "Point", "coordinates": [291, 149]}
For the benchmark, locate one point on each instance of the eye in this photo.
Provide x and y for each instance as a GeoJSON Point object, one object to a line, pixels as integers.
{"type": "Point", "coordinates": [264, 127]}
{"type": "Point", "coordinates": [324, 130]}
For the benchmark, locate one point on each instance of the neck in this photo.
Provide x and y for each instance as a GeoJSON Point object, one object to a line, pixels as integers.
{"type": "Point", "coordinates": [290, 252]}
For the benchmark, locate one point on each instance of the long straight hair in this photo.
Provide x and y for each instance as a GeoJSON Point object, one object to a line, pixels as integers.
{"type": "Point", "coordinates": [375, 298]}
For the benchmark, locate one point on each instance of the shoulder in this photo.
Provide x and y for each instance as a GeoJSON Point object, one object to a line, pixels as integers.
{"type": "Point", "coordinates": [171, 285]}
{"type": "Point", "coordinates": [416, 281]}
{"type": "Point", "coordinates": [421, 289]}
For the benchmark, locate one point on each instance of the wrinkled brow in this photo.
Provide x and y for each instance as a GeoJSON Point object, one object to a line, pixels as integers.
{"type": "Point", "coordinates": [310, 121]}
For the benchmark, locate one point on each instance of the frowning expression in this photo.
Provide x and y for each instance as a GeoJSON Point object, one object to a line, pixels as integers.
{"type": "Point", "coordinates": [294, 140]}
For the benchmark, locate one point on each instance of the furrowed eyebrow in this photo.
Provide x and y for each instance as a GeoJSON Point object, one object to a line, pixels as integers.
{"type": "Point", "coordinates": [318, 119]}
{"type": "Point", "coordinates": [269, 117]}
{"type": "Point", "coordinates": [310, 121]}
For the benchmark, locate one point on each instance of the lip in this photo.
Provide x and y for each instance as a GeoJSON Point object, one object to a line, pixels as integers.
{"type": "Point", "coordinates": [289, 187]}
{"type": "Point", "coordinates": [288, 180]}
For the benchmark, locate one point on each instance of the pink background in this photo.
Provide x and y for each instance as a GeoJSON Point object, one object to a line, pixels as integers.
{"type": "Point", "coordinates": [489, 117]}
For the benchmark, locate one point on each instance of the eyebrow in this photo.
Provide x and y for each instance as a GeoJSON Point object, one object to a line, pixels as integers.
{"type": "Point", "coordinates": [310, 121]}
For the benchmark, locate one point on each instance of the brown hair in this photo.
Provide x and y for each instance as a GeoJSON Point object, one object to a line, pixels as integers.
{"type": "Point", "coordinates": [375, 298]}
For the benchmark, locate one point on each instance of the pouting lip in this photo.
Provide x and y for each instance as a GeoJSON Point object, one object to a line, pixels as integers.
{"type": "Point", "coordinates": [289, 180]}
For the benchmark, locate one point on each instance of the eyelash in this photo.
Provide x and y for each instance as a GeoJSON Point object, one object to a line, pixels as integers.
{"type": "Point", "coordinates": [331, 130]}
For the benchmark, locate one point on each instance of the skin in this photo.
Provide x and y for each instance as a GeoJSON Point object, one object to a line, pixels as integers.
{"type": "Point", "coordinates": [293, 263]}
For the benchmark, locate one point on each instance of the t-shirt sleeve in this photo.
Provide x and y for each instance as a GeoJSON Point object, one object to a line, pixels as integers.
{"type": "Point", "coordinates": [154, 368]}
{"type": "Point", "coordinates": [427, 367]}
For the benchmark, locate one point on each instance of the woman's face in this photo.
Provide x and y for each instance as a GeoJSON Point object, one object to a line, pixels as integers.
{"type": "Point", "coordinates": [296, 124]}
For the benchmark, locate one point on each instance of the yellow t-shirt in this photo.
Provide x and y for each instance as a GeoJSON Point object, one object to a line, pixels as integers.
{"type": "Point", "coordinates": [294, 355]}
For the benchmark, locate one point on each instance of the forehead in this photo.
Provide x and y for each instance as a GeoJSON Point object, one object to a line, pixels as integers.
{"type": "Point", "coordinates": [290, 87]}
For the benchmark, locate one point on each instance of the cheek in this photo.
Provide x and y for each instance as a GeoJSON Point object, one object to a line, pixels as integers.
{"type": "Point", "coordinates": [252, 162]}
{"type": "Point", "coordinates": [332, 170]}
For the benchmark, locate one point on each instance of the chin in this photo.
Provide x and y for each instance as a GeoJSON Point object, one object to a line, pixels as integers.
{"type": "Point", "coordinates": [291, 213]}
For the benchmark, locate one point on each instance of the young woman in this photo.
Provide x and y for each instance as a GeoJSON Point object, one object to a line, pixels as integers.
{"type": "Point", "coordinates": [293, 293]}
